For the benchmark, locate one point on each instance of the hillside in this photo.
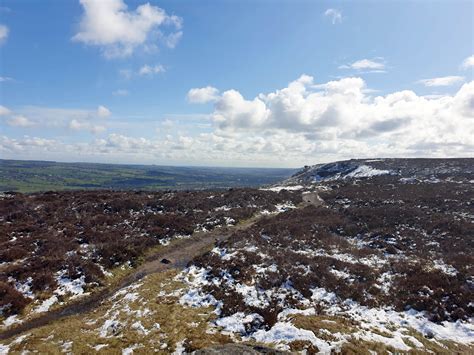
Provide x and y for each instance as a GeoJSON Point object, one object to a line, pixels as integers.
{"type": "Point", "coordinates": [355, 257]}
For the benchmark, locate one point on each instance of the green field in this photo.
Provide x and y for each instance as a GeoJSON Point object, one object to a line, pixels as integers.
{"type": "Point", "coordinates": [33, 176]}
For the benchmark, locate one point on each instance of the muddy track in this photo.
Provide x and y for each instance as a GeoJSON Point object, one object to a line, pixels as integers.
{"type": "Point", "coordinates": [179, 253]}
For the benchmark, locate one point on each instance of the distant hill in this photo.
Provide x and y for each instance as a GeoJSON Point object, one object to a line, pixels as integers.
{"type": "Point", "coordinates": [409, 170]}
{"type": "Point", "coordinates": [34, 176]}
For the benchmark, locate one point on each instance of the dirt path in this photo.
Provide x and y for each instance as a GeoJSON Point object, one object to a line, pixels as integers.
{"type": "Point", "coordinates": [179, 253]}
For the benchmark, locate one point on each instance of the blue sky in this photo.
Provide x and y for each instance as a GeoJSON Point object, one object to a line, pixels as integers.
{"type": "Point", "coordinates": [74, 90]}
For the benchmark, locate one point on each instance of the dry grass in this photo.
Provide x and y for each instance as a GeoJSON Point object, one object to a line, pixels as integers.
{"type": "Point", "coordinates": [158, 293]}
{"type": "Point", "coordinates": [177, 324]}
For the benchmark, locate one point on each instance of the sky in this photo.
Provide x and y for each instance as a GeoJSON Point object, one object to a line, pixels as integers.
{"type": "Point", "coordinates": [255, 83]}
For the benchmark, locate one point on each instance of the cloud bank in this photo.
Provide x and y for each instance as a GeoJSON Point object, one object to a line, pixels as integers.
{"type": "Point", "coordinates": [48, 119]}
{"type": "Point", "coordinates": [303, 123]}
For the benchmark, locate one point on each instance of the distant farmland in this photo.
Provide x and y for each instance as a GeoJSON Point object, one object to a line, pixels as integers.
{"type": "Point", "coordinates": [34, 176]}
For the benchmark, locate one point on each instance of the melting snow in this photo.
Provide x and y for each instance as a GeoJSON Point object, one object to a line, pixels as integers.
{"type": "Point", "coordinates": [236, 322]}
{"type": "Point", "coordinates": [11, 320]}
{"type": "Point", "coordinates": [447, 269]}
{"type": "Point", "coordinates": [365, 171]}
{"type": "Point", "coordinates": [179, 348]}
{"type": "Point", "coordinates": [99, 346]}
{"type": "Point", "coordinates": [129, 350]}
{"type": "Point", "coordinates": [195, 278]}
{"type": "Point", "coordinates": [384, 320]}
{"type": "Point", "coordinates": [284, 332]}
{"type": "Point", "coordinates": [44, 307]}
{"type": "Point", "coordinates": [279, 188]}
{"type": "Point", "coordinates": [68, 286]}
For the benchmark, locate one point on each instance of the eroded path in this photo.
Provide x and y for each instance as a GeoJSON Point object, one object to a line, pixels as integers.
{"type": "Point", "coordinates": [177, 254]}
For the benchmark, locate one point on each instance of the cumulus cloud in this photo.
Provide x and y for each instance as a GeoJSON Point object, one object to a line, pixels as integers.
{"type": "Point", "coordinates": [372, 65]}
{"type": "Point", "coordinates": [150, 70]}
{"type": "Point", "coordinates": [442, 81]}
{"type": "Point", "coordinates": [341, 112]}
{"type": "Point", "coordinates": [4, 111]}
{"type": "Point", "coordinates": [232, 110]}
{"type": "Point", "coordinates": [3, 33]}
{"type": "Point", "coordinates": [334, 14]}
{"type": "Point", "coordinates": [103, 112]}
{"type": "Point", "coordinates": [202, 95]}
{"type": "Point", "coordinates": [302, 123]}
{"type": "Point", "coordinates": [19, 121]}
{"type": "Point", "coordinates": [468, 62]}
{"type": "Point", "coordinates": [118, 31]}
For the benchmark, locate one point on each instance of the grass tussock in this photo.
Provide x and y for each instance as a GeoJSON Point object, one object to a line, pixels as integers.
{"type": "Point", "coordinates": [332, 324]}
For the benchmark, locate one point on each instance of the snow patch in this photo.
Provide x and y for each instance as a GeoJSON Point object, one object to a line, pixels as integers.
{"type": "Point", "coordinates": [365, 171]}
{"type": "Point", "coordinates": [279, 188]}
{"type": "Point", "coordinates": [283, 333]}
{"type": "Point", "coordinates": [237, 322]}
{"type": "Point", "coordinates": [44, 307]}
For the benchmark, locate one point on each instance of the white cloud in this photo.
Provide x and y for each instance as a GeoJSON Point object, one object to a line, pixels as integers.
{"type": "Point", "coordinates": [151, 70]}
{"type": "Point", "coordinates": [5, 78]}
{"type": "Point", "coordinates": [78, 125]}
{"type": "Point", "coordinates": [145, 70]}
{"type": "Point", "coordinates": [19, 121]}
{"type": "Point", "coordinates": [232, 110]}
{"type": "Point", "coordinates": [60, 118]}
{"type": "Point", "coordinates": [3, 33]}
{"type": "Point", "coordinates": [202, 95]}
{"type": "Point", "coordinates": [372, 65]}
{"type": "Point", "coordinates": [103, 112]}
{"type": "Point", "coordinates": [121, 92]}
{"type": "Point", "coordinates": [167, 124]}
{"type": "Point", "coordinates": [334, 14]}
{"type": "Point", "coordinates": [119, 31]}
{"type": "Point", "coordinates": [442, 81]}
{"type": "Point", "coordinates": [4, 111]}
{"type": "Point", "coordinates": [468, 62]}
{"type": "Point", "coordinates": [172, 40]}
{"type": "Point", "coordinates": [341, 113]}
{"type": "Point", "coordinates": [303, 123]}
